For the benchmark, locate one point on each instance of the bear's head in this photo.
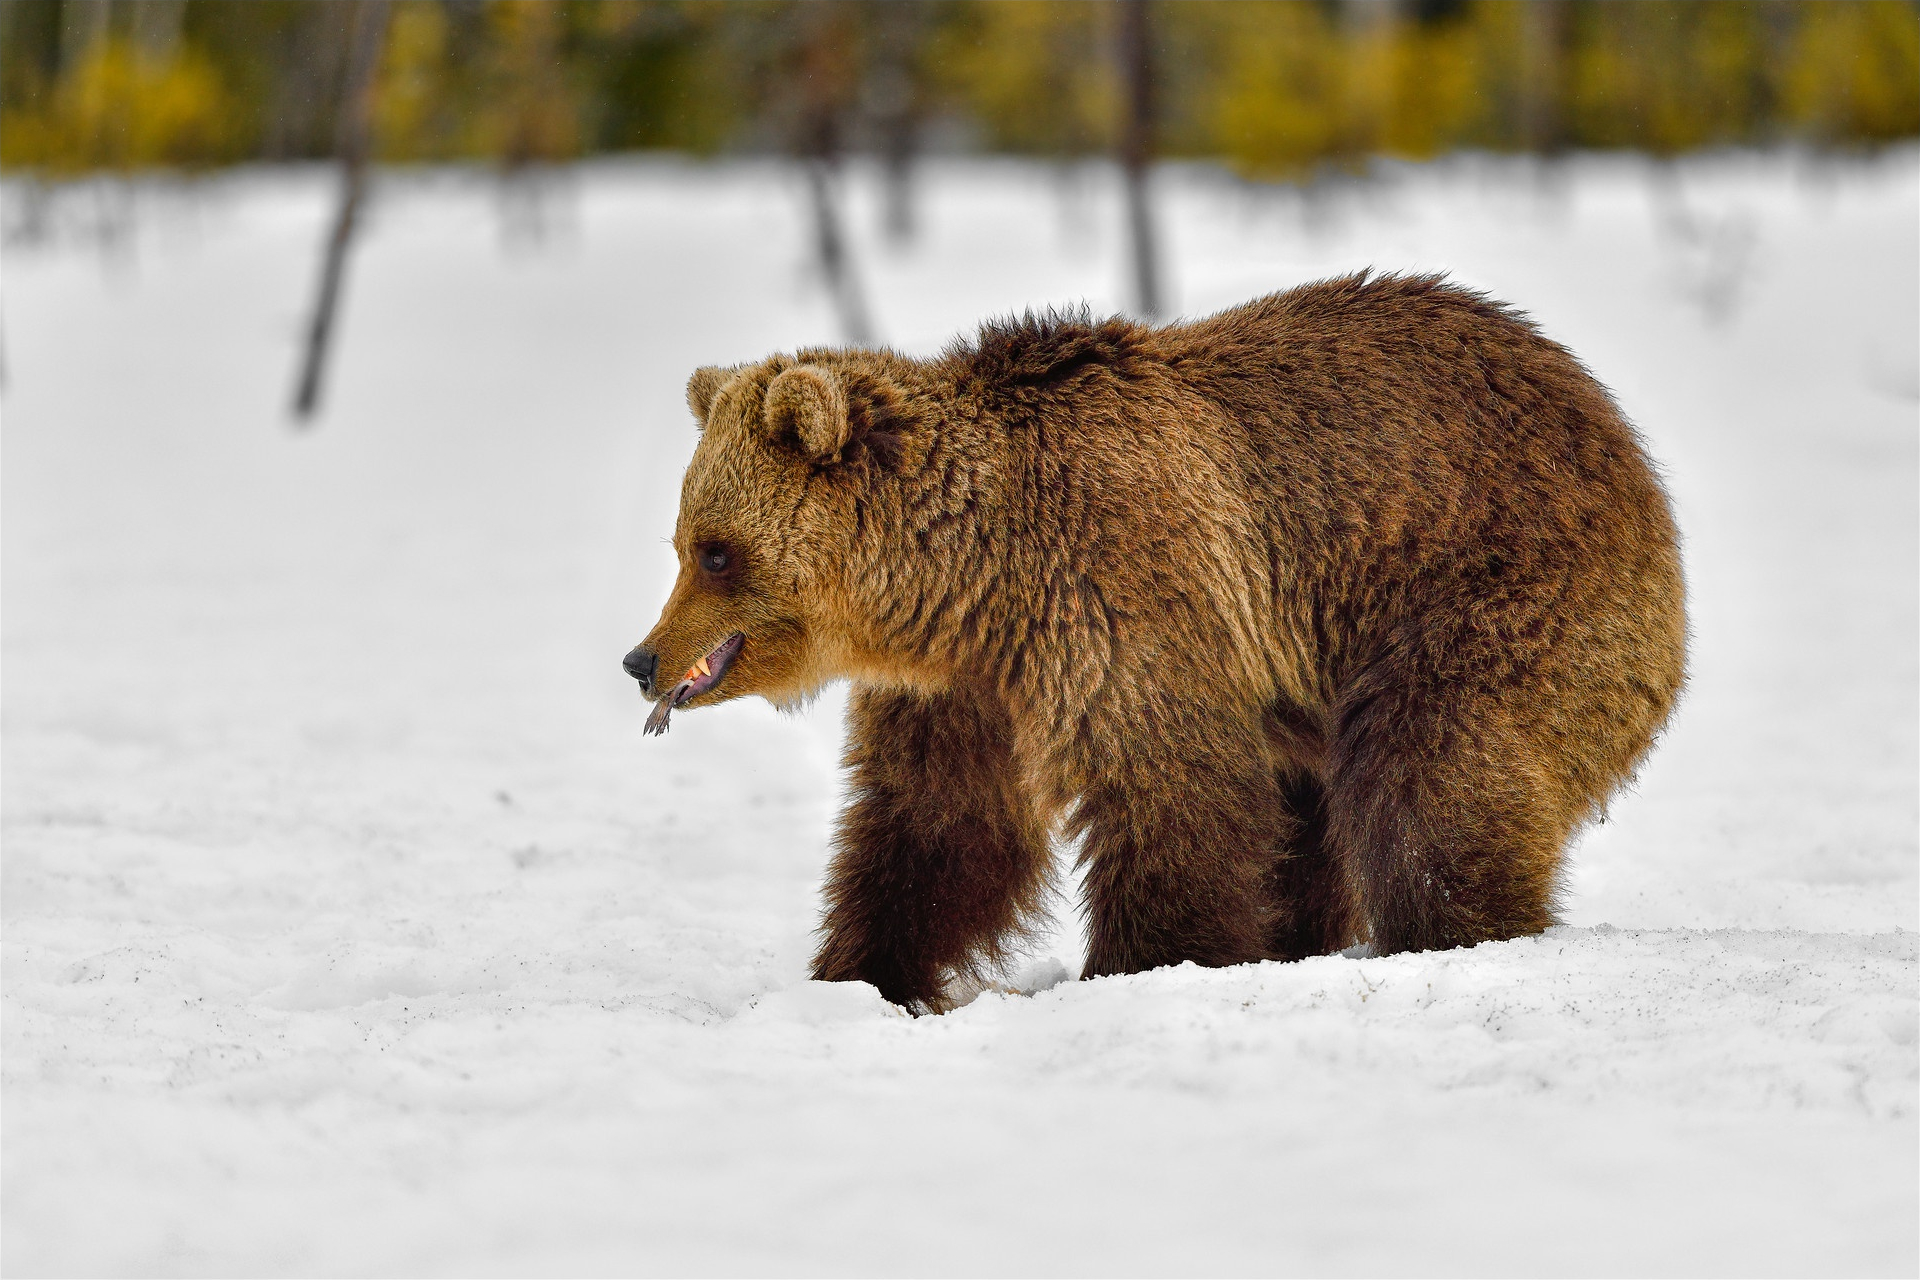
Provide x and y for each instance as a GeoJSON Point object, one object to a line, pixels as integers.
{"type": "Point", "coordinates": [769, 514]}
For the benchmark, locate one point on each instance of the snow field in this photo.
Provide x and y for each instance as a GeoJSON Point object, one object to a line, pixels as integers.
{"type": "Point", "coordinates": [351, 926]}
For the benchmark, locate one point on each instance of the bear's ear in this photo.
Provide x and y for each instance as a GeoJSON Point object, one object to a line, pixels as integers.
{"type": "Point", "coordinates": [702, 387]}
{"type": "Point", "coordinates": [806, 404]}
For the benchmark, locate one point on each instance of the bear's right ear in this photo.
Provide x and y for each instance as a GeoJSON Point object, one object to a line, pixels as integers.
{"type": "Point", "coordinates": [807, 405]}
{"type": "Point", "coordinates": [702, 387]}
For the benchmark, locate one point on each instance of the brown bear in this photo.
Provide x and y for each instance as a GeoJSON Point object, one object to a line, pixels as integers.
{"type": "Point", "coordinates": [1323, 620]}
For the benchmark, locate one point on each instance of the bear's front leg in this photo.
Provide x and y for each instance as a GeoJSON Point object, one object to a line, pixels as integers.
{"type": "Point", "coordinates": [939, 855]}
{"type": "Point", "coordinates": [1182, 820]}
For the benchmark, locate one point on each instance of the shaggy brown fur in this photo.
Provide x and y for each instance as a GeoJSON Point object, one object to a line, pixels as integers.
{"type": "Point", "coordinates": [1325, 619]}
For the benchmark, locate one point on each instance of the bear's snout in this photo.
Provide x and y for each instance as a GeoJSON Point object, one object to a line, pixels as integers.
{"type": "Point", "coordinates": [642, 664]}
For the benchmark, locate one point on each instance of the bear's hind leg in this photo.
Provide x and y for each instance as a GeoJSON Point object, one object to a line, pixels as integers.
{"type": "Point", "coordinates": [939, 855]}
{"type": "Point", "coordinates": [1448, 827]}
{"type": "Point", "coordinates": [1311, 905]}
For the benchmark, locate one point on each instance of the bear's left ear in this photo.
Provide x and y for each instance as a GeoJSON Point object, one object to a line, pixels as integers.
{"type": "Point", "coordinates": [808, 405]}
{"type": "Point", "coordinates": [702, 387]}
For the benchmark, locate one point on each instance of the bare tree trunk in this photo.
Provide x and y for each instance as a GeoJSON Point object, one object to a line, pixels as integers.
{"type": "Point", "coordinates": [353, 142]}
{"type": "Point", "coordinates": [1136, 152]}
{"type": "Point", "coordinates": [897, 144]}
{"type": "Point", "coordinates": [1542, 34]}
{"type": "Point", "coordinates": [827, 78]}
{"type": "Point", "coordinates": [894, 103]}
{"type": "Point", "coordinates": [836, 265]}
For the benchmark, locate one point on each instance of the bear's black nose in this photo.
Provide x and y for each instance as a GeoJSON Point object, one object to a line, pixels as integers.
{"type": "Point", "coordinates": [641, 664]}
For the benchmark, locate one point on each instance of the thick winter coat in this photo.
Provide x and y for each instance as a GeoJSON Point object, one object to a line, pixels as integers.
{"type": "Point", "coordinates": [1325, 619]}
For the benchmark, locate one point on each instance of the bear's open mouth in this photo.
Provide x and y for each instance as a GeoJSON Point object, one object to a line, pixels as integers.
{"type": "Point", "coordinates": [705, 673]}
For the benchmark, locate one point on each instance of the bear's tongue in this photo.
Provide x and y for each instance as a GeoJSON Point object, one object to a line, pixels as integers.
{"type": "Point", "coordinates": [701, 676]}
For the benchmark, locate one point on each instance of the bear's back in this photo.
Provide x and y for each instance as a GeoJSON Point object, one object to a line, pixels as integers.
{"type": "Point", "coordinates": [1411, 407]}
{"type": "Point", "coordinates": [1429, 462]}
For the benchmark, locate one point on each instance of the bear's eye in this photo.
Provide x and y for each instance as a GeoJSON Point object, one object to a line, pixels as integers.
{"type": "Point", "coordinates": [715, 559]}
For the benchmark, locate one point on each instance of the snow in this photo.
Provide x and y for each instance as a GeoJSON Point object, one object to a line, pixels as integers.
{"type": "Point", "coordinates": [351, 925]}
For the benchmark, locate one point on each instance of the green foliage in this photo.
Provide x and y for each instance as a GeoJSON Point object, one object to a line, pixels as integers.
{"type": "Point", "coordinates": [1278, 87]}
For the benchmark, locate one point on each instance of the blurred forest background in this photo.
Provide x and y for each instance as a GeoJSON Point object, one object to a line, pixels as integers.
{"type": "Point", "coordinates": [1276, 88]}
{"type": "Point", "coordinates": [1298, 91]}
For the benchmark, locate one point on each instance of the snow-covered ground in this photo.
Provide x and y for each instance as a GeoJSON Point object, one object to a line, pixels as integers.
{"type": "Point", "coordinates": [351, 926]}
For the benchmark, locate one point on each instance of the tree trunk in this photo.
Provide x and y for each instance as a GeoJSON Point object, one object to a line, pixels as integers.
{"type": "Point", "coordinates": [353, 143]}
{"type": "Point", "coordinates": [836, 264]}
{"type": "Point", "coordinates": [827, 81]}
{"type": "Point", "coordinates": [1136, 152]}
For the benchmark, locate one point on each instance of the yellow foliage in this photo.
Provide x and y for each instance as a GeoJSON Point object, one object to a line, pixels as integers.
{"type": "Point", "coordinates": [1278, 87]}
{"type": "Point", "coordinates": [1295, 88]}
{"type": "Point", "coordinates": [1669, 76]}
{"type": "Point", "coordinates": [529, 110]}
{"type": "Point", "coordinates": [121, 109]}
{"type": "Point", "coordinates": [1279, 99]}
{"type": "Point", "coordinates": [1853, 71]}
{"type": "Point", "coordinates": [1433, 94]}
{"type": "Point", "coordinates": [1038, 76]}
{"type": "Point", "coordinates": [411, 94]}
